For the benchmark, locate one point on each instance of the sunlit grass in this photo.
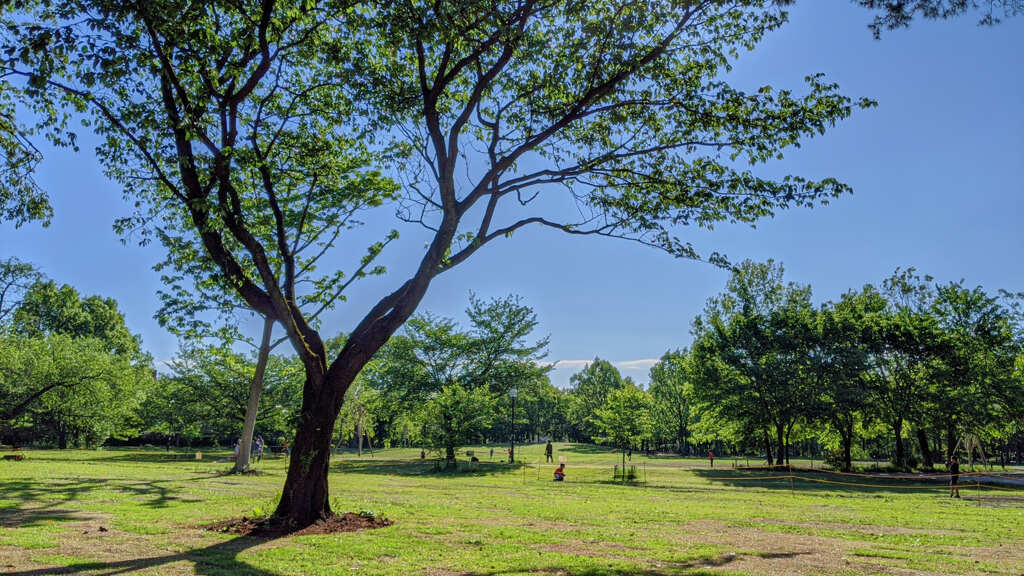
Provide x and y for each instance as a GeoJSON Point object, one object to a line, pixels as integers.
{"type": "Point", "coordinates": [140, 512]}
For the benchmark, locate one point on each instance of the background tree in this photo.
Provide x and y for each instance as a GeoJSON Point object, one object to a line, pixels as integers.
{"type": "Point", "coordinates": [79, 372]}
{"type": "Point", "coordinates": [494, 355]}
{"type": "Point", "coordinates": [670, 392]}
{"type": "Point", "coordinates": [16, 277]}
{"type": "Point", "coordinates": [632, 121]}
{"type": "Point", "coordinates": [907, 355]}
{"type": "Point", "coordinates": [588, 392]}
{"type": "Point", "coordinates": [978, 353]}
{"type": "Point", "coordinates": [847, 335]}
{"type": "Point", "coordinates": [625, 419]}
{"type": "Point", "coordinates": [47, 308]}
{"type": "Point", "coordinates": [751, 353]}
{"type": "Point", "coordinates": [454, 417]}
{"type": "Point", "coordinates": [210, 385]}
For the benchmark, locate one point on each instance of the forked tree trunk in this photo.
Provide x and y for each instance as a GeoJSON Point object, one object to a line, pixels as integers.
{"type": "Point", "coordinates": [304, 498]}
{"type": "Point", "coordinates": [252, 408]}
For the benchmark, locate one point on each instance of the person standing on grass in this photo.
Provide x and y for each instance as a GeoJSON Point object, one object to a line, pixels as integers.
{"type": "Point", "coordinates": [711, 458]}
{"type": "Point", "coordinates": [492, 452]}
{"type": "Point", "coordinates": [954, 477]}
{"type": "Point", "coordinates": [260, 444]}
{"type": "Point", "coordinates": [548, 453]}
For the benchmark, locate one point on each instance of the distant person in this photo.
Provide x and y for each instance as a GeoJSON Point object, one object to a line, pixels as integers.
{"type": "Point", "coordinates": [711, 458]}
{"type": "Point", "coordinates": [548, 453]}
{"type": "Point", "coordinates": [260, 445]}
{"type": "Point", "coordinates": [629, 454]}
{"type": "Point", "coordinates": [954, 477]}
{"type": "Point", "coordinates": [235, 450]}
{"type": "Point", "coordinates": [560, 472]}
{"type": "Point", "coordinates": [423, 454]}
{"type": "Point", "coordinates": [492, 452]}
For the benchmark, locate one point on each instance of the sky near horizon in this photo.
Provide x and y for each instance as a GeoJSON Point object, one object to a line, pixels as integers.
{"type": "Point", "coordinates": [937, 171]}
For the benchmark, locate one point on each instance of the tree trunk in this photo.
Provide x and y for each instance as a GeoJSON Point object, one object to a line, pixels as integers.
{"type": "Point", "coordinates": [359, 437]}
{"type": "Point", "coordinates": [779, 445]}
{"type": "Point", "coordinates": [926, 452]}
{"type": "Point", "coordinates": [788, 430]}
{"type": "Point", "coordinates": [847, 440]}
{"type": "Point", "coordinates": [252, 408]}
{"type": "Point", "coordinates": [950, 442]}
{"type": "Point", "coordinates": [898, 428]}
{"type": "Point", "coordinates": [449, 455]}
{"type": "Point", "coordinates": [304, 499]}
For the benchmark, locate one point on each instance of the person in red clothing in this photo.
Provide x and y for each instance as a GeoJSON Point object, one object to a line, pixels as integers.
{"type": "Point", "coordinates": [711, 458]}
{"type": "Point", "coordinates": [560, 472]}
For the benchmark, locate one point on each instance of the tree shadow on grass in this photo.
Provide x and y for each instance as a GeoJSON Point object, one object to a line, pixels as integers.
{"type": "Point", "coordinates": [588, 449]}
{"type": "Point", "coordinates": [219, 559]}
{"type": "Point", "coordinates": [695, 567]}
{"type": "Point", "coordinates": [422, 468]}
{"type": "Point", "coordinates": [44, 502]}
{"type": "Point", "coordinates": [804, 480]}
{"type": "Point", "coordinates": [154, 456]}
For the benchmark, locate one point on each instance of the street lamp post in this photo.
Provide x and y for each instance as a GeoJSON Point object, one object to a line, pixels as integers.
{"type": "Point", "coordinates": [512, 393]}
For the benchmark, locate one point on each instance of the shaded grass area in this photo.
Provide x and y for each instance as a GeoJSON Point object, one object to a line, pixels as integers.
{"type": "Point", "coordinates": [139, 512]}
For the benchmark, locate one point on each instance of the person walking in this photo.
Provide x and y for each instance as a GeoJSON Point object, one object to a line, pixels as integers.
{"type": "Point", "coordinates": [549, 453]}
{"type": "Point", "coordinates": [954, 477]}
{"type": "Point", "coordinates": [711, 458]}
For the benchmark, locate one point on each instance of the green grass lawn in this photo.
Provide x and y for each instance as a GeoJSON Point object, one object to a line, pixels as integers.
{"type": "Point", "coordinates": [141, 512]}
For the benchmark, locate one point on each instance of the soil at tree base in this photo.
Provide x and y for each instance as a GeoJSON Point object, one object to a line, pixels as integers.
{"type": "Point", "coordinates": [266, 528]}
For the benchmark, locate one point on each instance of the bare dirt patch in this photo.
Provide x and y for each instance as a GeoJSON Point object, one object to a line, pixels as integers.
{"type": "Point", "coordinates": [263, 527]}
{"type": "Point", "coordinates": [770, 553]}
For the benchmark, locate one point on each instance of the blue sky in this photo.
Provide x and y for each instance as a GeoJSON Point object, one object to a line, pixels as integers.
{"type": "Point", "coordinates": [937, 169]}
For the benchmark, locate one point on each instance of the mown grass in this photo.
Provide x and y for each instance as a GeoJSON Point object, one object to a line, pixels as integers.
{"type": "Point", "coordinates": [140, 512]}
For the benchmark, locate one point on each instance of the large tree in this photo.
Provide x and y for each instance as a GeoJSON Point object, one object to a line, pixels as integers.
{"type": "Point", "coordinates": [588, 392]}
{"type": "Point", "coordinates": [846, 335]}
{"type": "Point", "coordinates": [485, 111]}
{"type": "Point", "coordinates": [625, 419]}
{"type": "Point", "coordinates": [752, 353]}
{"type": "Point", "coordinates": [671, 393]}
{"type": "Point", "coordinates": [16, 278]}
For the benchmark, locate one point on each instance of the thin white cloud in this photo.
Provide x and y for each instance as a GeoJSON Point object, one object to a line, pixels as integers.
{"type": "Point", "coordinates": [640, 364]}
{"type": "Point", "coordinates": [570, 363]}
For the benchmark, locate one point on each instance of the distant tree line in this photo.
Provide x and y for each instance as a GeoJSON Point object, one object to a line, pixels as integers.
{"type": "Point", "coordinates": [910, 371]}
